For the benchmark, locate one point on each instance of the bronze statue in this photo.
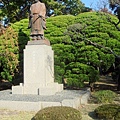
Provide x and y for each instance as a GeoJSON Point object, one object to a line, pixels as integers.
{"type": "Point", "coordinates": [37, 21]}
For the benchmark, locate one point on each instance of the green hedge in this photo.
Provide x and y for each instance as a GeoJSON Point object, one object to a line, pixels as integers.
{"type": "Point", "coordinates": [104, 96]}
{"type": "Point", "coordinates": [108, 112]}
{"type": "Point", "coordinates": [58, 113]}
{"type": "Point", "coordinates": [76, 61]}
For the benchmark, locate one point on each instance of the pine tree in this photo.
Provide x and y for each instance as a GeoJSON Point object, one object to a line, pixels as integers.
{"type": "Point", "coordinates": [16, 10]}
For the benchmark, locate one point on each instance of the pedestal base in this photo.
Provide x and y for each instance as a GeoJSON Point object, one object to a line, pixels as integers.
{"type": "Point", "coordinates": [38, 71]}
{"type": "Point", "coordinates": [51, 89]}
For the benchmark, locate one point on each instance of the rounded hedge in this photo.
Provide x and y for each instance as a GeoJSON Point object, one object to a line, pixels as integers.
{"type": "Point", "coordinates": [104, 96]}
{"type": "Point", "coordinates": [76, 60]}
{"type": "Point", "coordinates": [58, 113]}
{"type": "Point", "coordinates": [108, 112]}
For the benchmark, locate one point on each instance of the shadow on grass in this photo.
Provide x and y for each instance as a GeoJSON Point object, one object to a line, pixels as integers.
{"type": "Point", "coordinates": [93, 115]}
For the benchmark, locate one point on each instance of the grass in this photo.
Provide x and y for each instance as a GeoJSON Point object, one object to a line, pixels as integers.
{"type": "Point", "coordinates": [15, 115]}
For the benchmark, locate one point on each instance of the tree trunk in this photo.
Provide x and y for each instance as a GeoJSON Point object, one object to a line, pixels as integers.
{"type": "Point", "coordinates": [91, 84]}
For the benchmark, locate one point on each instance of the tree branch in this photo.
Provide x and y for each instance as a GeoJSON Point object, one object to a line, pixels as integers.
{"type": "Point", "coordinates": [101, 46]}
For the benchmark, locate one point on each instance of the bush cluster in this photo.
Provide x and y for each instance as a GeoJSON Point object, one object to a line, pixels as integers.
{"type": "Point", "coordinates": [104, 96]}
{"type": "Point", "coordinates": [76, 60]}
{"type": "Point", "coordinates": [58, 113]}
{"type": "Point", "coordinates": [9, 56]}
{"type": "Point", "coordinates": [12, 43]}
{"type": "Point", "coordinates": [108, 112]}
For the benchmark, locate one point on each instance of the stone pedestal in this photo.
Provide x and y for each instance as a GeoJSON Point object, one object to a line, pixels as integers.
{"type": "Point", "coordinates": [38, 71]}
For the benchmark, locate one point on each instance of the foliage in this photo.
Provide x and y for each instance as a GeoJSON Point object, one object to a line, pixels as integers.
{"type": "Point", "coordinates": [9, 54]}
{"type": "Point", "coordinates": [76, 60]}
{"type": "Point", "coordinates": [78, 73]}
{"type": "Point", "coordinates": [115, 6]}
{"type": "Point", "coordinates": [117, 117]}
{"type": "Point", "coordinates": [108, 112]}
{"type": "Point", "coordinates": [73, 7]}
{"type": "Point", "coordinates": [12, 43]}
{"type": "Point", "coordinates": [55, 29]}
{"type": "Point", "coordinates": [81, 45]}
{"type": "Point", "coordinates": [16, 10]}
{"type": "Point", "coordinates": [104, 96]}
{"type": "Point", "coordinates": [2, 29]}
{"type": "Point", "coordinates": [94, 43]}
{"type": "Point", "coordinates": [58, 113]}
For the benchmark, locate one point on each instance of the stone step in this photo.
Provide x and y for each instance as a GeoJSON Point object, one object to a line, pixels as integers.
{"type": "Point", "coordinates": [71, 98]}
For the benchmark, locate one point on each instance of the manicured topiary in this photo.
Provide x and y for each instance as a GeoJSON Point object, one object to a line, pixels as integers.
{"type": "Point", "coordinates": [58, 113]}
{"type": "Point", "coordinates": [108, 112]}
{"type": "Point", "coordinates": [76, 41]}
{"type": "Point", "coordinates": [117, 117]}
{"type": "Point", "coordinates": [104, 96]}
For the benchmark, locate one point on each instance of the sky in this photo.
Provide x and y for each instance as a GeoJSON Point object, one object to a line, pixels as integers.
{"type": "Point", "coordinates": [96, 4]}
{"type": "Point", "coordinates": [90, 3]}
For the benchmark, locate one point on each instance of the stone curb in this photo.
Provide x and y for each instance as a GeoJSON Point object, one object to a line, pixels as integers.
{"type": "Point", "coordinates": [84, 98]}
{"type": "Point", "coordinates": [36, 106]}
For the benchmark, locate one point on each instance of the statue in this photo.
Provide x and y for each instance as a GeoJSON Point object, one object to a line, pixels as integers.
{"type": "Point", "coordinates": [37, 21]}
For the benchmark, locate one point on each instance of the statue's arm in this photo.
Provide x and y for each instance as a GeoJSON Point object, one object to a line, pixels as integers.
{"type": "Point", "coordinates": [43, 15]}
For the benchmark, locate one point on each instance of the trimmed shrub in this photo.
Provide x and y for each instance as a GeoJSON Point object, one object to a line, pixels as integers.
{"type": "Point", "coordinates": [104, 96]}
{"type": "Point", "coordinates": [58, 113]}
{"type": "Point", "coordinates": [108, 112]}
{"type": "Point", "coordinates": [12, 43]}
{"type": "Point", "coordinates": [76, 60]}
{"type": "Point", "coordinates": [117, 117]}
{"type": "Point", "coordinates": [9, 54]}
